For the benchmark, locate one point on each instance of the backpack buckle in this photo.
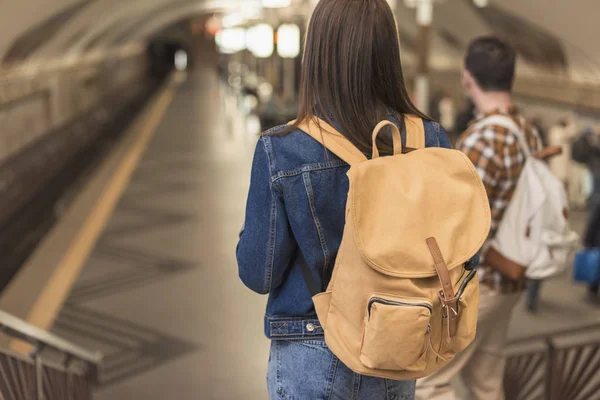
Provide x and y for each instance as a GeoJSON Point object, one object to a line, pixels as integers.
{"type": "Point", "coordinates": [449, 314]}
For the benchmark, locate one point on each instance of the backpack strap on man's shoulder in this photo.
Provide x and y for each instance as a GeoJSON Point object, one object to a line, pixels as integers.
{"type": "Point", "coordinates": [333, 140]}
{"type": "Point", "coordinates": [506, 122]}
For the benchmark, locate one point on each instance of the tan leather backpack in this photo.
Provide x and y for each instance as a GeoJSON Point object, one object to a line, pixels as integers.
{"type": "Point", "coordinates": [400, 303]}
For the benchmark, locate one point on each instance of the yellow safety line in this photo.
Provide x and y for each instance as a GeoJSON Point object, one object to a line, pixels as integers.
{"type": "Point", "coordinates": [52, 298]}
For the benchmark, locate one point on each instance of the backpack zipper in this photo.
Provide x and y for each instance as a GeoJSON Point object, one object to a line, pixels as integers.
{"type": "Point", "coordinates": [397, 303]}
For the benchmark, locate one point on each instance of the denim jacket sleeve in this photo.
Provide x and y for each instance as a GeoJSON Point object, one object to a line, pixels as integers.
{"type": "Point", "coordinates": [266, 243]}
{"type": "Point", "coordinates": [444, 139]}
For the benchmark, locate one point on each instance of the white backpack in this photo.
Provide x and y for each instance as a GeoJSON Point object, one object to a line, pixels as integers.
{"type": "Point", "coordinates": [534, 231]}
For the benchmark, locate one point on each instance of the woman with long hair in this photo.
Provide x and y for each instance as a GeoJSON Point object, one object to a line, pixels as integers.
{"type": "Point", "coordinates": [351, 79]}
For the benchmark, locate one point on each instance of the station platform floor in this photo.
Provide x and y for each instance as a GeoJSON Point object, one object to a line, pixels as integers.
{"type": "Point", "coordinates": [160, 294]}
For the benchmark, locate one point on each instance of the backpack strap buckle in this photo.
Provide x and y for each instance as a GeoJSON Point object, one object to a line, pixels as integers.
{"type": "Point", "coordinates": [450, 306]}
{"type": "Point", "coordinates": [447, 297]}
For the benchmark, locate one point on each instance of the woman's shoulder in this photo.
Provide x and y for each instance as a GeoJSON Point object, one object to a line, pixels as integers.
{"type": "Point", "coordinates": [275, 131]}
{"type": "Point", "coordinates": [284, 137]}
{"type": "Point", "coordinates": [435, 134]}
{"type": "Point", "coordinates": [432, 127]}
{"type": "Point", "coordinates": [296, 145]}
{"type": "Point", "coordinates": [292, 148]}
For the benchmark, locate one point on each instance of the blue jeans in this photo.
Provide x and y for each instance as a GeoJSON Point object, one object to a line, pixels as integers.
{"type": "Point", "coordinates": [307, 370]}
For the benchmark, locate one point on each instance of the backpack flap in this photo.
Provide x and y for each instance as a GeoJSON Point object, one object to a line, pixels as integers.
{"type": "Point", "coordinates": [395, 203]}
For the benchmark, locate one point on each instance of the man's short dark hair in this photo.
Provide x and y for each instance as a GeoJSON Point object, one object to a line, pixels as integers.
{"type": "Point", "coordinates": [491, 61]}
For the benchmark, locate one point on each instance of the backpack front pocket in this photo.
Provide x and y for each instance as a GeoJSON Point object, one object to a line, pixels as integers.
{"type": "Point", "coordinates": [396, 333]}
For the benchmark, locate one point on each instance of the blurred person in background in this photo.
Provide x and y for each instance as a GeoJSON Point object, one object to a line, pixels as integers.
{"type": "Point", "coordinates": [538, 123]}
{"type": "Point", "coordinates": [298, 192]}
{"type": "Point", "coordinates": [562, 134]}
{"type": "Point", "coordinates": [592, 240]}
{"type": "Point", "coordinates": [434, 105]}
{"type": "Point", "coordinates": [447, 113]}
{"type": "Point", "coordinates": [464, 118]}
{"type": "Point", "coordinates": [442, 110]}
{"type": "Point", "coordinates": [586, 150]}
{"type": "Point", "coordinates": [499, 159]}
{"type": "Point", "coordinates": [593, 134]}
{"type": "Point", "coordinates": [557, 136]}
{"type": "Point", "coordinates": [576, 173]}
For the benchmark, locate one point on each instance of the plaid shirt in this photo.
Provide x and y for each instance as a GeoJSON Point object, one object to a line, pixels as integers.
{"type": "Point", "coordinates": [498, 158]}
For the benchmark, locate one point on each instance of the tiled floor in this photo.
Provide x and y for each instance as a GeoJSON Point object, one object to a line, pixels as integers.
{"type": "Point", "coordinates": [160, 295]}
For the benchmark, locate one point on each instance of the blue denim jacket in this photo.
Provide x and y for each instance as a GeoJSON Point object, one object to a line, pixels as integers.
{"type": "Point", "coordinates": [297, 199]}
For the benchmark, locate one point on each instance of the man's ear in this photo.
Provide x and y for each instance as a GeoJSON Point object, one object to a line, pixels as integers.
{"type": "Point", "coordinates": [467, 80]}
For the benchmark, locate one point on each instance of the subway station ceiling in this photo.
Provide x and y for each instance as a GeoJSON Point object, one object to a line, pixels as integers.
{"type": "Point", "coordinates": [550, 35]}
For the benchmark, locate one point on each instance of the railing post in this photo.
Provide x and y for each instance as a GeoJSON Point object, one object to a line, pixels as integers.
{"type": "Point", "coordinates": [550, 369]}
{"type": "Point", "coordinates": [69, 388]}
{"type": "Point", "coordinates": [39, 376]}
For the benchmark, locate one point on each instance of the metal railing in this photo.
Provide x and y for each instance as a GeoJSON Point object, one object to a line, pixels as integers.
{"type": "Point", "coordinates": [55, 370]}
{"type": "Point", "coordinates": [561, 369]}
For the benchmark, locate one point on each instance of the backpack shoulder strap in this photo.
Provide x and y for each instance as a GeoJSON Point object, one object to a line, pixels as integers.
{"type": "Point", "coordinates": [509, 124]}
{"type": "Point", "coordinates": [334, 141]}
{"type": "Point", "coordinates": [415, 132]}
{"type": "Point", "coordinates": [337, 143]}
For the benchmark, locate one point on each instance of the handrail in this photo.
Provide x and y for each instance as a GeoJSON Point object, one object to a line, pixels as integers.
{"type": "Point", "coordinates": [570, 370]}
{"type": "Point", "coordinates": [555, 334]}
{"type": "Point", "coordinates": [69, 383]}
{"type": "Point", "coordinates": [22, 330]}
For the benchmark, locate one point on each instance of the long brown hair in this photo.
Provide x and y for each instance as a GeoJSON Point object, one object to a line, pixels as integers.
{"type": "Point", "coordinates": [351, 69]}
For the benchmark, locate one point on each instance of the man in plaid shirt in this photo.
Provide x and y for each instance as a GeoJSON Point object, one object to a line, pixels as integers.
{"type": "Point", "coordinates": [497, 156]}
{"type": "Point", "coordinates": [499, 159]}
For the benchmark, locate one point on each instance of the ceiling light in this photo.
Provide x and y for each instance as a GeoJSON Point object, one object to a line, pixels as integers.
{"type": "Point", "coordinates": [288, 41]}
{"type": "Point", "coordinates": [232, 20]}
{"type": "Point", "coordinates": [251, 11]}
{"type": "Point", "coordinates": [276, 3]}
{"type": "Point", "coordinates": [259, 39]}
{"type": "Point", "coordinates": [231, 40]}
